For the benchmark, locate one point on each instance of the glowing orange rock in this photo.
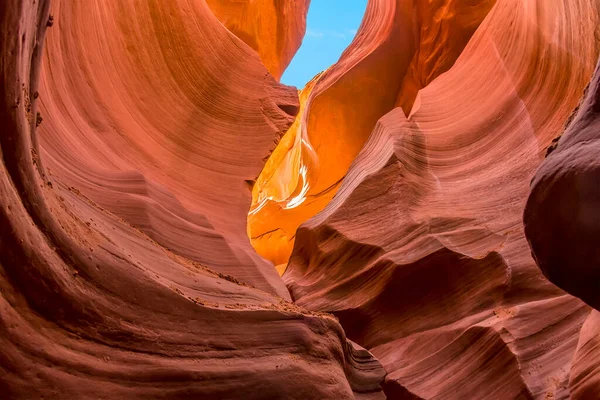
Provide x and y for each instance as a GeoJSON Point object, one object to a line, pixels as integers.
{"type": "Point", "coordinates": [283, 185]}
{"type": "Point", "coordinates": [273, 28]}
{"type": "Point", "coordinates": [421, 254]}
{"type": "Point", "coordinates": [399, 48]}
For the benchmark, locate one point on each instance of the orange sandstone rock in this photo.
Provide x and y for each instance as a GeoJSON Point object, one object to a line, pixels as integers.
{"type": "Point", "coordinates": [134, 136]}
{"type": "Point", "coordinates": [274, 28]}
{"type": "Point", "coordinates": [421, 253]}
{"type": "Point", "coordinates": [400, 47]}
{"type": "Point", "coordinates": [125, 269]}
{"type": "Point", "coordinates": [585, 368]}
{"type": "Point", "coordinates": [143, 117]}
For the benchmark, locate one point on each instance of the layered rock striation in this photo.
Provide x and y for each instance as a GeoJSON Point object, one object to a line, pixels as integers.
{"type": "Point", "coordinates": [123, 208]}
{"type": "Point", "coordinates": [421, 253]}
{"type": "Point", "coordinates": [154, 172]}
{"type": "Point", "coordinates": [400, 47]}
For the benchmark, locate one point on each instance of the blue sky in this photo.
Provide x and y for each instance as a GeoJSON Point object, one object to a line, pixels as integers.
{"type": "Point", "coordinates": [330, 27]}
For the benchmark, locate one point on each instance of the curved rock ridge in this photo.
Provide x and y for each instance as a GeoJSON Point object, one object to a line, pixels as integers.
{"type": "Point", "coordinates": [585, 369]}
{"type": "Point", "coordinates": [274, 28]}
{"type": "Point", "coordinates": [562, 217]}
{"type": "Point", "coordinates": [133, 139]}
{"type": "Point", "coordinates": [91, 306]}
{"type": "Point", "coordinates": [422, 255]}
{"type": "Point", "coordinates": [284, 183]}
{"type": "Point", "coordinates": [400, 47]}
{"type": "Point", "coordinates": [142, 116]}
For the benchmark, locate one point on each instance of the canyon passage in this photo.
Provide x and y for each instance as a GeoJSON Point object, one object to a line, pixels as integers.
{"type": "Point", "coordinates": [419, 221]}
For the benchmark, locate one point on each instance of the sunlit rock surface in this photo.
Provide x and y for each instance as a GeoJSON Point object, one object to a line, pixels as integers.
{"type": "Point", "coordinates": [156, 180]}
{"type": "Point", "coordinates": [125, 269]}
{"type": "Point", "coordinates": [400, 47]}
{"type": "Point", "coordinates": [421, 254]}
{"type": "Point", "coordinates": [274, 28]}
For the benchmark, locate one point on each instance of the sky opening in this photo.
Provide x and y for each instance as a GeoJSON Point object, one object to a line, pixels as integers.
{"type": "Point", "coordinates": [330, 27]}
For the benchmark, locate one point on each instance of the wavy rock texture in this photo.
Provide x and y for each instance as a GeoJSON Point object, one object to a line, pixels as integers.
{"type": "Point", "coordinates": [585, 370]}
{"type": "Point", "coordinates": [128, 158]}
{"type": "Point", "coordinates": [400, 47]}
{"type": "Point", "coordinates": [562, 217]}
{"type": "Point", "coordinates": [151, 114]}
{"type": "Point", "coordinates": [421, 254]}
{"type": "Point", "coordinates": [149, 123]}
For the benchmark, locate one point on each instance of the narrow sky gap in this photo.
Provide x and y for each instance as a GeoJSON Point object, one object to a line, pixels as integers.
{"type": "Point", "coordinates": [330, 27]}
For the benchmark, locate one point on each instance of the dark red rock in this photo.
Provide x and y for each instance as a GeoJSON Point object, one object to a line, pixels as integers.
{"type": "Point", "coordinates": [562, 216]}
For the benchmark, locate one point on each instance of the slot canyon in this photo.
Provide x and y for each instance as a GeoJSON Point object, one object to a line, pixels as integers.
{"type": "Point", "coordinates": [420, 221]}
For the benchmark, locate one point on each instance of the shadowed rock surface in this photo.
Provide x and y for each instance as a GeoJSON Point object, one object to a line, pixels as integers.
{"type": "Point", "coordinates": [562, 217]}
{"type": "Point", "coordinates": [154, 172]}
{"type": "Point", "coordinates": [94, 304]}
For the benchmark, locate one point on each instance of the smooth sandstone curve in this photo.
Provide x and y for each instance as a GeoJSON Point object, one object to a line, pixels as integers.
{"type": "Point", "coordinates": [133, 136]}
{"type": "Point", "coordinates": [274, 28]}
{"type": "Point", "coordinates": [141, 115]}
{"type": "Point", "coordinates": [400, 47]}
{"type": "Point", "coordinates": [436, 197]}
{"type": "Point", "coordinates": [91, 306]}
{"type": "Point", "coordinates": [562, 216]}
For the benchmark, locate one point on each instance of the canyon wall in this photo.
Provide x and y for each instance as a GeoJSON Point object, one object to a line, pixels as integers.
{"type": "Point", "coordinates": [273, 28]}
{"type": "Point", "coordinates": [400, 47]}
{"type": "Point", "coordinates": [562, 224]}
{"type": "Point", "coordinates": [421, 253]}
{"type": "Point", "coordinates": [562, 217]}
{"type": "Point", "coordinates": [154, 173]}
{"type": "Point", "coordinates": [124, 159]}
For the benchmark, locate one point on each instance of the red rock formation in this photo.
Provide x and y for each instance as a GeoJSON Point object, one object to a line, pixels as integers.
{"type": "Point", "coordinates": [562, 224]}
{"type": "Point", "coordinates": [400, 47]}
{"type": "Point", "coordinates": [129, 155]}
{"type": "Point", "coordinates": [273, 28]}
{"type": "Point", "coordinates": [585, 369]}
{"type": "Point", "coordinates": [421, 253]}
{"type": "Point", "coordinates": [92, 307]}
{"type": "Point", "coordinates": [562, 217]}
{"type": "Point", "coordinates": [145, 120]}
